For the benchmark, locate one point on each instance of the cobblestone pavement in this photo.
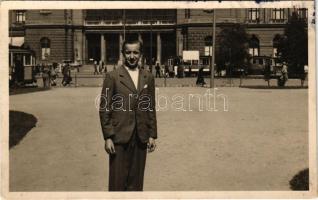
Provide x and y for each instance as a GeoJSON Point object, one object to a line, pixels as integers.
{"type": "Point", "coordinates": [260, 143]}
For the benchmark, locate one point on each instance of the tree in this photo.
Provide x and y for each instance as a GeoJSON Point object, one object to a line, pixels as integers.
{"type": "Point", "coordinates": [293, 46]}
{"type": "Point", "coordinates": [233, 48]}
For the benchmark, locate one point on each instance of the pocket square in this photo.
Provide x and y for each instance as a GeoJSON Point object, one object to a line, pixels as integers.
{"type": "Point", "coordinates": [145, 86]}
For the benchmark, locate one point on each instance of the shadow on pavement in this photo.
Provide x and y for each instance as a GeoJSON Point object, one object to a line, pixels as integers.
{"type": "Point", "coordinates": [300, 181]}
{"type": "Point", "coordinates": [273, 87]}
{"type": "Point", "coordinates": [16, 91]}
{"type": "Point", "coordinates": [20, 124]}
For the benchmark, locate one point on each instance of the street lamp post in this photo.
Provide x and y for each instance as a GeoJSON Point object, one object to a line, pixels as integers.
{"type": "Point", "coordinates": [150, 66]}
{"type": "Point", "coordinates": [213, 52]}
{"type": "Point", "coordinates": [212, 61]}
{"type": "Point", "coordinates": [124, 23]}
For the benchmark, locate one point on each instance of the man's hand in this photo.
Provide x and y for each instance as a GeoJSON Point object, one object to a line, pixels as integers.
{"type": "Point", "coordinates": [151, 145]}
{"type": "Point", "coordinates": [109, 146]}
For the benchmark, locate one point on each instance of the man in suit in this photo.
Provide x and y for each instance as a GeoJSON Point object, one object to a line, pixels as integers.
{"type": "Point", "coordinates": [128, 119]}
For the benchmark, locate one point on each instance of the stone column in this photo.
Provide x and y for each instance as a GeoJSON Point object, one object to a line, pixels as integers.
{"type": "Point", "coordinates": [180, 42]}
{"type": "Point", "coordinates": [140, 37]}
{"type": "Point", "coordinates": [103, 48]}
{"type": "Point", "coordinates": [78, 46]}
{"type": "Point", "coordinates": [121, 40]}
{"type": "Point", "coordinates": [141, 60]}
{"type": "Point", "coordinates": [11, 59]}
{"type": "Point", "coordinates": [84, 49]}
{"type": "Point", "coordinates": [158, 48]}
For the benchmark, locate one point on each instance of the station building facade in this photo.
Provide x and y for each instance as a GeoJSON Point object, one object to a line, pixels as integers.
{"type": "Point", "coordinates": [87, 35]}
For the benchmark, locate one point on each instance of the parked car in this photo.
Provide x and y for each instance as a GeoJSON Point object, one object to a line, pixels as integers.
{"type": "Point", "coordinates": [237, 72]}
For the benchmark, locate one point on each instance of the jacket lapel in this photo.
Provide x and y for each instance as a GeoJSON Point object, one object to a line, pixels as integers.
{"type": "Point", "coordinates": [126, 80]}
{"type": "Point", "coordinates": [142, 80]}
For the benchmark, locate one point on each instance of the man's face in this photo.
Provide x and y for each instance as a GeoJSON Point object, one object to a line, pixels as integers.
{"type": "Point", "coordinates": [132, 55]}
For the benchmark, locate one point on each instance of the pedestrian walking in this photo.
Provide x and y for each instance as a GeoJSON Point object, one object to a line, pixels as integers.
{"type": "Point", "coordinates": [66, 75]}
{"type": "Point", "coordinates": [104, 67]}
{"type": "Point", "coordinates": [157, 70]}
{"type": "Point", "coordinates": [100, 67]}
{"type": "Point", "coordinates": [46, 76]}
{"type": "Point", "coordinates": [267, 72]}
{"type": "Point", "coordinates": [166, 71]}
{"type": "Point", "coordinates": [282, 75]}
{"type": "Point", "coordinates": [53, 74]}
{"type": "Point", "coordinates": [200, 79]}
{"type": "Point", "coordinates": [95, 67]}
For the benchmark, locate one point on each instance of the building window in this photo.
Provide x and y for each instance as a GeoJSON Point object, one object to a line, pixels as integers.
{"type": "Point", "coordinates": [278, 15]}
{"type": "Point", "coordinates": [276, 42]}
{"type": "Point", "coordinates": [254, 46]}
{"type": "Point", "coordinates": [20, 16]}
{"type": "Point", "coordinates": [187, 13]}
{"type": "Point", "coordinates": [302, 13]}
{"type": "Point", "coordinates": [253, 15]}
{"type": "Point", "coordinates": [45, 48]}
{"type": "Point", "coordinates": [208, 40]}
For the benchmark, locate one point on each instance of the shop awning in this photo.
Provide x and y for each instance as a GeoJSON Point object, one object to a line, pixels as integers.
{"type": "Point", "coordinates": [16, 41]}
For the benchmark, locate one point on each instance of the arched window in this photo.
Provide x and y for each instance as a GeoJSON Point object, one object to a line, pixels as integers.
{"type": "Point", "coordinates": [208, 43]}
{"type": "Point", "coordinates": [254, 46]}
{"type": "Point", "coordinates": [276, 42]}
{"type": "Point", "coordinates": [45, 48]}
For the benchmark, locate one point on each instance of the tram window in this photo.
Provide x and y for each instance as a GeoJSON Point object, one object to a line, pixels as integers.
{"type": "Point", "coordinates": [27, 60]}
{"type": "Point", "coordinates": [187, 62]}
{"type": "Point", "coordinates": [205, 61]}
{"type": "Point", "coordinates": [254, 60]}
{"type": "Point", "coordinates": [261, 61]}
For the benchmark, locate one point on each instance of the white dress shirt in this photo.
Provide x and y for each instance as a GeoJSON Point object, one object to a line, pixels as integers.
{"type": "Point", "coordinates": [134, 74]}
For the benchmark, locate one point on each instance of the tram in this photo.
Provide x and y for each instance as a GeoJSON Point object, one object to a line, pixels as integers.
{"type": "Point", "coordinates": [21, 66]}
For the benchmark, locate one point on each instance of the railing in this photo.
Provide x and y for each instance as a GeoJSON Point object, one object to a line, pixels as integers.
{"type": "Point", "coordinates": [271, 21]}
{"type": "Point", "coordinates": [128, 22]}
{"type": "Point", "coordinates": [253, 21]}
{"type": "Point", "coordinates": [278, 21]}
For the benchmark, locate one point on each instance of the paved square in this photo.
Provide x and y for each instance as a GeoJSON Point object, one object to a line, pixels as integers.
{"type": "Point", "coordinates": [260, 143]}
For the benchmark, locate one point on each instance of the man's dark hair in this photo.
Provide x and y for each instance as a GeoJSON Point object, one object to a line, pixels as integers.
{"type": "Point", "coordinates": [132, 39]}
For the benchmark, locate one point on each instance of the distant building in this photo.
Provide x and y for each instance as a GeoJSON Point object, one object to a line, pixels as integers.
{"type": "Point", "coordinates": [86, 35]}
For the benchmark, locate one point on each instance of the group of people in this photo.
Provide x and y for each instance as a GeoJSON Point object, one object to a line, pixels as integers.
{"type": "Point", "coordinates": [200, 78]}
{"type": "Point", "coordinates": [50, 74]}
{"type": "Point", "coordinates": [166, 71]}
{"type": "Point", "coordinates": [66, 71]}
{"type": "Point", "coordinates": [99, 67]}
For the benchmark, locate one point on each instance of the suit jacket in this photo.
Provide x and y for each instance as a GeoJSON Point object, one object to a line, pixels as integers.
{"type": "Point", "coordinates": [123, 107]}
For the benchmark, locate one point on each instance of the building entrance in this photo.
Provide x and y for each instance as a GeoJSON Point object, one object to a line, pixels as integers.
{"type": "Point", "coordinates": [93, 47]}
{"type": "Point", "coordinates": [112, 48]}
{"type": "Point", "coordinates": [149, 47]}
